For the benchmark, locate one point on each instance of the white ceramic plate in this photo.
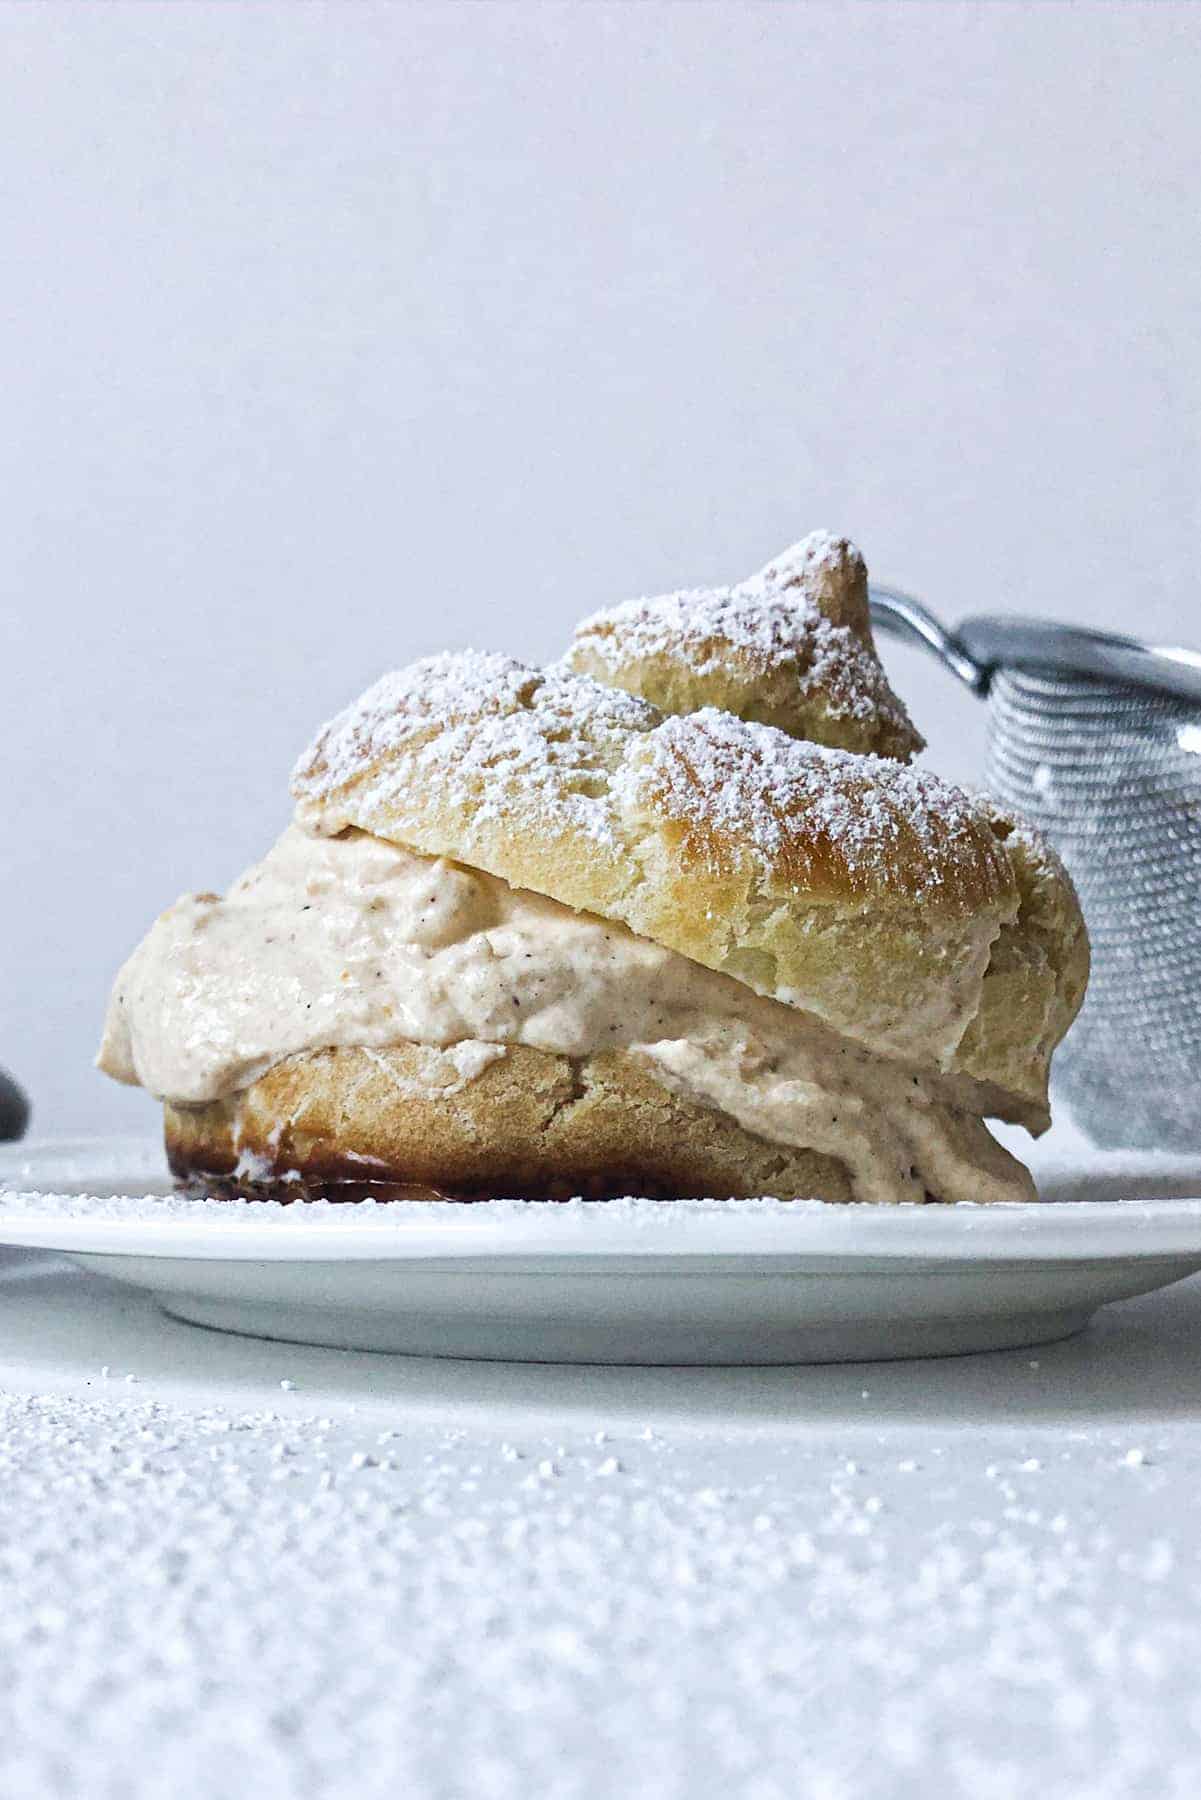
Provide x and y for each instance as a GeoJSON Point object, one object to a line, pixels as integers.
{"type": "Point", "coordinates": [752, 1281]}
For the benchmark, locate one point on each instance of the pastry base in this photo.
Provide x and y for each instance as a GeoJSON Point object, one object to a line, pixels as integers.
{"type": "Point", "coordinates": [345, 1124]}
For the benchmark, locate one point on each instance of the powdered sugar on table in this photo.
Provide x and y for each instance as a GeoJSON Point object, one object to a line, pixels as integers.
{"type": "Point", "coordinates": [354, 1578]}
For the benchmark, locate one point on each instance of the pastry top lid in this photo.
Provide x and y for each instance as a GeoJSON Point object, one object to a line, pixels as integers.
{"type": "Point", "coordinates": [791, 646]}
{"type": "Point", "coordinates": [479, 757]}
{"type": "Point", "coordinates": [863, 891]}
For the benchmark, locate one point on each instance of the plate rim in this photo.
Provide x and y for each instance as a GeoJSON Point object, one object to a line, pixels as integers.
{"type": "Point", "coordinates": [964, 1235]}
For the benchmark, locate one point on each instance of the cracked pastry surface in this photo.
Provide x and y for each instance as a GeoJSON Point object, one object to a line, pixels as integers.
{"type": "Point", "coordinates": [791, 647]}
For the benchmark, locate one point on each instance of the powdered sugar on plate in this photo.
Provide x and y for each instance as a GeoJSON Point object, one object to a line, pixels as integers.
{"type": "Point", "coordinates": [398, 1216]}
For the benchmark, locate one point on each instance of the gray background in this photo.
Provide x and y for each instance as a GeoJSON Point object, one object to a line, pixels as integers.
{"type": "Point", "coordinates": [334, 335]}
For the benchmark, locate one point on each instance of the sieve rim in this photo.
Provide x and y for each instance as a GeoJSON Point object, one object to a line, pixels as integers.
{"type": "Point", "coordinates": [997, 641]}
{"type": "Point", "coordinates": [990, 642]}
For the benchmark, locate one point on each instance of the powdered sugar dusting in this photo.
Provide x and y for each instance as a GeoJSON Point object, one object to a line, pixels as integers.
{"type": "Point", "coordinates": [634, 1212]}
{"type": "Point", "coordinates": [485, 731]}
{"type": "Point", "coordinates": [751, 785]}
{"type": "Point", "coordinates": [1035, 847]}
{"type": "Point", "coordinates": [706, 624]}
{"type": "Point", "coordinates": [770, 624]}
{"type": "Point", "coordinates": [479, 741]}
{"type": "Point", "coordinates": [817, 557]}
{"type": "Point", "coordinates": [404, 706]}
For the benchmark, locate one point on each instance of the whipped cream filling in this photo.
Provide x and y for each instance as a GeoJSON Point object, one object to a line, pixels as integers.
{"type": "Point", "coordinates": [351, 940]}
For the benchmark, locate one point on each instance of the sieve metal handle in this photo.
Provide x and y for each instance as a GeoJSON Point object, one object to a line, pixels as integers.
{"type": "Point", "coordinates": [901, 616]}
{"type": "Point", "coordinates": [1000, 641]}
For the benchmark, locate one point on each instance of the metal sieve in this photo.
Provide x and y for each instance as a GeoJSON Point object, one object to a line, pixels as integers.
{"type": "Point", "coordinates": [1096, 739]}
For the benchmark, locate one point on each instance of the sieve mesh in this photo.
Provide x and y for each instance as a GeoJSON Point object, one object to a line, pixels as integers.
{"type": "Point", "coordinates": [1096, 739]}
{"type": "Point", "coordinates": [1113, 776]}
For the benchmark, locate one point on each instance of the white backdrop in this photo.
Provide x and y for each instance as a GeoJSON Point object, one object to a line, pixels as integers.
{"type": "Point", "coordinates": [329, 336]}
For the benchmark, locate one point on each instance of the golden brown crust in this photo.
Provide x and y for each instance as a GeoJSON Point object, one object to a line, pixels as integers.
{"type": "Point", "coordinates": [848, 885]}
{"type": "Point", "coordinates": [827, 571]}
{"type": "Point", "coordinates": [791, 647]}
{"type": "Point", "coordinates": [531, 1125]}
{"type": "Point", "coordinates": [1035, 981]}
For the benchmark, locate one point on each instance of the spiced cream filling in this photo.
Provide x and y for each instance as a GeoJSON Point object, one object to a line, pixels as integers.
{"type": "Point", "coordinates": [351, 940]}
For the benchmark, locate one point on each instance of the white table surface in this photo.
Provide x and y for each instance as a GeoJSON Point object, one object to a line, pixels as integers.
{"type": "Point", "coordinates": [980, 1576]}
